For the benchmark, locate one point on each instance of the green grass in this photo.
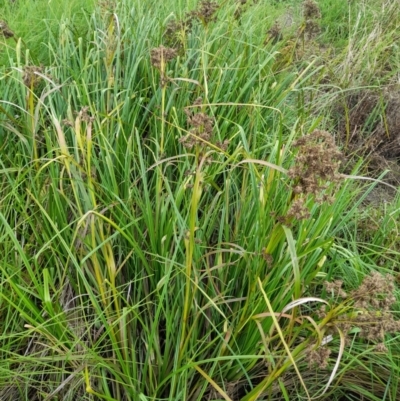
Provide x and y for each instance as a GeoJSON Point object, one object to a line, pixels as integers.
{"type": "Point", "coordinates": [144, 258]}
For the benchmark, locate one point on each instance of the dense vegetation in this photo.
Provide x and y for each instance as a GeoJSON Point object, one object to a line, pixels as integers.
{"type": "Point", "coordinates": [198, 200]}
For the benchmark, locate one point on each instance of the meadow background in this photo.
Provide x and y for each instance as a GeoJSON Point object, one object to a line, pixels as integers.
{"type": "Point", "coordinates": [199, 200]}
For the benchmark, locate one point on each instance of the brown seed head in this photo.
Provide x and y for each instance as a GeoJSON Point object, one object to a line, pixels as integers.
{"type": "Point", "coordinates": [201, 124]}
{"type": "Point", "coordinates": [318, 357]}
{"type": "Point", "coordinates": [206, 10]}
{"type": "Point", "coordinates": [311, 10]}
{"type": "Point", "coordinates": [298, 210]}
{"type": "Point", "coordinates": [372, 307]}
{"type": "Point", "coordinates": [335, 288]}
{"type": "Point", "coordinates": [274, 34]}
{"type": "Point", "coordinates": [161, 55]}
{"type": "Point", "coordinates": [175, 32]}
{"type": "Point", "coordinates": [31, 77]}
{"type": "Point", "coordinates": [316, 163]}
{"type": "Point", "coordinates": [5, 30]}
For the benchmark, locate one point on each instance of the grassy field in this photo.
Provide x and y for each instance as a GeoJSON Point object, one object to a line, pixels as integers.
{"type": "Point", "coordinates": [199, 200]}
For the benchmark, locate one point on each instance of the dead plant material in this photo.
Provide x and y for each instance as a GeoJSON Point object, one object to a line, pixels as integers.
{"type": "Point", "coordinates": [230, 388]}
{"type": "Point", "coordinates": [369, 127]}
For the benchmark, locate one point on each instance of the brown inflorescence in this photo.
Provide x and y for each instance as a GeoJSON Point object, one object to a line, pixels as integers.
{"type": "Point", "coordinates": [312, 28]}
{"type": "Point", "coordinates": [371, 310]}
{"type": "Point", "coordinates": [335, 288]}
{"type": "Point", "coordinates": [175, 31]}
{"type": "Point", "coordinates": [201, 127]}
{"type": "Point", "coordinates": [206, 10]}
{"type": "Point", "coordinates": [240, 8]}
{"type": "Point", "coordinates": [107, 6]}
{"type": "Point", "coordinates": [223, 145]}
{"type": "Point", "coordinates": [31, 76]}
{"type": "Point", "coordinates": [274, 34]}
{"type": "Point", "coordinates": [299, 210]}
{"type": "Point", "coordinates": [316, 163]}
{"type": "Point", "coordinates": [316, 166]}
{"type": "Point", "coordinates": [374, 300]}
{"type": "Point", "coordinates": [5, 30]}
{"type": "Point", "coordinates": [376, 292]}
{"type": "Point", "coordinates": [269, 259]}
{"type": "Point", "coordinates": [311, 9]}
{"type": "Point", "coordinates": [317, 356]}
{"type": "Point", "coordinates": [84, 115]}
{"type": "Point", "coordinates": [311, 13]}
{"type": "Point", "coordinates": [159, 57]}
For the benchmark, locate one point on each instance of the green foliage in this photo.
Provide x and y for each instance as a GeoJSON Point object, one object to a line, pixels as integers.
{"type": "Point", "coordinates": [160, 236]}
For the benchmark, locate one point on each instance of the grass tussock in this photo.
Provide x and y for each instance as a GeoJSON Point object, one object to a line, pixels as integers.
{"type": "Point", "coordinates": [185, 201]}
